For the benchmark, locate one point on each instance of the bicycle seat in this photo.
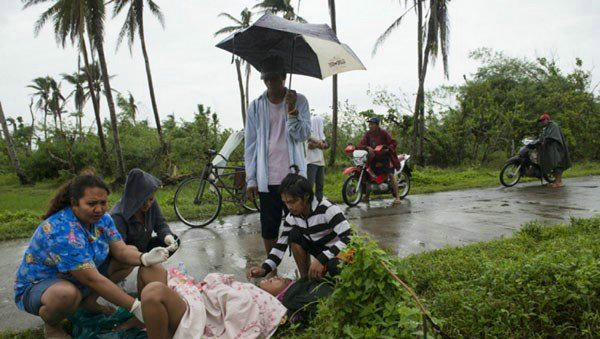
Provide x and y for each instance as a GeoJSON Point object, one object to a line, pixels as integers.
{"type": "Point", "coordinates": [210, 151]}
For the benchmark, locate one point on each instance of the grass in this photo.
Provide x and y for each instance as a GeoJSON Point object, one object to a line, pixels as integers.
{"type": "Point", "coordinates": [33, 200]}
{"type": "Point", "coordinates": [34, 333]}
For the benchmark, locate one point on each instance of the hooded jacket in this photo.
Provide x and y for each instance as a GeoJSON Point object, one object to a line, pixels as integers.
{"type": "Point", "coordinates": [139, 187]}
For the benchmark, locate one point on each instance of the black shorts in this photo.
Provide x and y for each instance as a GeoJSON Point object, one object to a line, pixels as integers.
{"type": "Point", "coordinates": [272, 209]}
{"type": "Point", "coordinates": [296, 236]}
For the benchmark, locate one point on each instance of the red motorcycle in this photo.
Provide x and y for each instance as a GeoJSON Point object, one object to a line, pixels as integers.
{"type": "Point", "coordinates": [360, 181]}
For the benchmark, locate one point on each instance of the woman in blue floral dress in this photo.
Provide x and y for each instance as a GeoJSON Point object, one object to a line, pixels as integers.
{"type": "Point", "coordinates": [68, 261]}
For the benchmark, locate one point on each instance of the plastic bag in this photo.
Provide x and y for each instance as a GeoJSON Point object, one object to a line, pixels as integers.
{"type": "Point", "coordinates": [100, 326]}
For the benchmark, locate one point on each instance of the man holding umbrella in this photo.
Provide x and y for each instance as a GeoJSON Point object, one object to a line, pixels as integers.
{"type": "Point", "coordinates": [278, 122]}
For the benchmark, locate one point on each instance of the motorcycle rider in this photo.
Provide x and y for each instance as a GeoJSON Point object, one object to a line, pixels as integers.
{"type": "Point", "coordinates": [386, 161]}
{"type": "Point", "coordinates": [554, 153]}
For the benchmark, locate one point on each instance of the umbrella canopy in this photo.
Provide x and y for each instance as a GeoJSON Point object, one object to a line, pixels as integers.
{"type": "Point", "coordinates": [308, 49]}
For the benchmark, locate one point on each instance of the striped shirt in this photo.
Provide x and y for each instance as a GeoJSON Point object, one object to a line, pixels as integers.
{"type": "Point", "coordinates": [326, 227]}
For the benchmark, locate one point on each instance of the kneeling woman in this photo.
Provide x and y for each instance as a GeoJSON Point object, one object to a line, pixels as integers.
{"type": "Point", "coordinates": [69, 258]}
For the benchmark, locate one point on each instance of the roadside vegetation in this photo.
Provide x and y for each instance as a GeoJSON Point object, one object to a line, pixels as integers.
{"type": "Point", "coordinates": [544, 282]}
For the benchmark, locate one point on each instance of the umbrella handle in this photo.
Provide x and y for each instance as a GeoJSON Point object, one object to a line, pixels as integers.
{"type": "Point", "coordinates": [292, 62]}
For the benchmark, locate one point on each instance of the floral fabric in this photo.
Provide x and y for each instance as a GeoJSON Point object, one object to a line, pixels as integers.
{"type": "Point", "coordinates": [225, 308]}
{"type": "Point", "coordinates": [61, 244]}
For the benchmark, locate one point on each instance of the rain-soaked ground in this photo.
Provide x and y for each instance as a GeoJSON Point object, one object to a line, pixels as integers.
{"type": "Point", "coordinates": [420, 223]}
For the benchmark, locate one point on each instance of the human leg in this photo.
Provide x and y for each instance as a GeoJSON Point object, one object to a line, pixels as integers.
{"type": "Point", "coordinates": [147, 275]}
{"type": "Point", "coordinates": [271, 209]}
{"type": "Point", "coordinates": [57, 301]}
{"type": "Point", "coordinates": [395, 188]}
{"type": "Point", "coordinates": [162, 308]}
{"type": "Point", "coordinates": [311, 173]}
{"type": "Point", "coordinates": [301, 256]}
{"type": "Point", "coordinates": [320, 182]}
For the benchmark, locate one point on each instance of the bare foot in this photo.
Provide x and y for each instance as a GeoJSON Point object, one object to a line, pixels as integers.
{"type": "Point", "coordinates": [51, 332]}
{"type": "Point", "coordinates": [132, 322]}
{"type": "Point", "coordinates": [396, 202]}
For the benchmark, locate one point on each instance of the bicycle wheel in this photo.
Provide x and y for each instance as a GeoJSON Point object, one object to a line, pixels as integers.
{"type": "Point", "coordinates": [197, 202]}
{"type": "Point", "coordinates": [247, 204]}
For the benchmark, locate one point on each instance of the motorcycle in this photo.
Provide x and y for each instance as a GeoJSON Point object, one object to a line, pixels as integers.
{"type": "Point", "coordinates": [524, 164]}
{"type": "Point", "coordinates": [359, 181]}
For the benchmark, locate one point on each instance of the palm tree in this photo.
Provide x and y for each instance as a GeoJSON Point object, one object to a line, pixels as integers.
{"type": "Point", "coordinates": [10, 147]}
{"type": "Point", "coordinates": [280, 6]}
{"type": "Point", "coordinates": [43, 88]}
{"type": "Point", "coordinates": [56, 104]}
{"type": "Point", "coordinates": [436, 40]}
{"type": "Point", "coordinates": [77, 80]}
{"type": "Point", "coordinates": [242, 23]}
{"type": "Point", "coordinates": [96, 19]}
{"type": "Point", "coordinates": [135, 22]}
{"type": "Point", "coordinates": [72, 20]}
{"type": "Point", "coordinates": [334, 86]}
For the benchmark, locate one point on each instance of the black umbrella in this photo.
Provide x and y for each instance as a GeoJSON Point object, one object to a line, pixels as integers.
{"type": "Point", "coordinates": [312, 50]}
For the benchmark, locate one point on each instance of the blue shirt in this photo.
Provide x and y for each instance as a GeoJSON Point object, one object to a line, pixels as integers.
{"type": "Point", "coordinates": [257, 130]}
{"type": "Point", "coordinates": [61, 244]}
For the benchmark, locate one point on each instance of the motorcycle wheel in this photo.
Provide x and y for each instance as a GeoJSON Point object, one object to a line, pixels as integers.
{"type": "Point", "coordinates": [510, 174]}
{"type": "Point", "coordinates": [352, 191]}
{"type": "Point", "coordinates": [403, 180]}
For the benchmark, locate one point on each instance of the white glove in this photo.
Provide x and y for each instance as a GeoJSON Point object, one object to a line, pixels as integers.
{"type": "Point", "coordinates": [136, 309]}
{"type": "Point", "coordinates": [171, 243]}
{"type": "Point", "coordinates": [155, 256]}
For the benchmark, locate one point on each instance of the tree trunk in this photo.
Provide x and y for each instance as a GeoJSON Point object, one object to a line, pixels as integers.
{"type": "Point", "coordinates": [11, 150]}
{"type": "Point", "coordinates": [248, 69]}
{"type": "Point", "coordinates": [108, 92]}
{"type": "Point", "coordinates": [30, 141]}
{"type": "Point", "coordinates": [45, 121]}
{"type": "Point", "coordinates": [96, 103]}
{"type": "Point", "coordinates": [414, 142]}
{"type": "Point", "coordinates": [241, 86]}
{"type": "Point", "coordinates": [151, 87]}
{"type": "Point", "coordinates": [334, 89]}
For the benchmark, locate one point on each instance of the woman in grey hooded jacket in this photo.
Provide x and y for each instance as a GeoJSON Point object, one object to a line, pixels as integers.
{"type": "Point", "coordinates": [137, 215]}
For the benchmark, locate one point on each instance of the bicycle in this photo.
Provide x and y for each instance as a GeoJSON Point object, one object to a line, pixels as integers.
{"type": "Point", "coordinates": [198, 200]}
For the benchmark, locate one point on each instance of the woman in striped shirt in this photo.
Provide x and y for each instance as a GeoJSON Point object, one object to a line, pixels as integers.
{"type": "Point", "coordinates": [312, 227]}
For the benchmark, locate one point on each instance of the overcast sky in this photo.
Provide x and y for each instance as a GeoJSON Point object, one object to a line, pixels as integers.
{"type": "Point", "coordinates": [189, 70]}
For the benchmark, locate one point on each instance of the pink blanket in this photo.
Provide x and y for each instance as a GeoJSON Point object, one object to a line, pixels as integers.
{"type": "Point", "coordinates": [220, 307]}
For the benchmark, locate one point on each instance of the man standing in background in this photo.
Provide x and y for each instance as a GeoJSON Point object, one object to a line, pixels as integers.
{"type": "Point", "coordinates": [277, 126]}
{"type": "Point", "coordinates": [314, 156]}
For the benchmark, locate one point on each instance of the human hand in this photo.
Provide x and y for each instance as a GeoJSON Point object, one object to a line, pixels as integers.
{"type": "Point", "coordinates": [155, 256]}
{"type": "Point", "coordinates": [251, 193]}
{"type": "Point", "coordinates": [255, 272]}
{"type": "Point", "coordinates": [290, 99]}
{"type": "Point", "coordinates": [316, 270]}
{"type": "Point", "coordinates": [171, 243]}
{"type": "Point", "coordinates": [136, 309]}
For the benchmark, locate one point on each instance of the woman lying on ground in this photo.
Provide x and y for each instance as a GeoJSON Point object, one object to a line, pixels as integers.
{"type": "Point", "coordinates": [219, 307]}
{"type": "Point", "coordinates": [71, 257]}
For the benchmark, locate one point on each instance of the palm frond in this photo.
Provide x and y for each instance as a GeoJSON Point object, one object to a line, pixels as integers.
{"type": "Point", "coordinates": [230, 17]}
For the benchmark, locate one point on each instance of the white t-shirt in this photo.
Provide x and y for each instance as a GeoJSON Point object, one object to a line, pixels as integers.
{"type": "Point", "coordinates": [315, 156]}
{"type": "Point", "coordinates": [279, 157]}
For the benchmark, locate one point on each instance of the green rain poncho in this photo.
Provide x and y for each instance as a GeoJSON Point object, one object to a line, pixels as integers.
{"type": "Point", "coordinates": [553, 151]}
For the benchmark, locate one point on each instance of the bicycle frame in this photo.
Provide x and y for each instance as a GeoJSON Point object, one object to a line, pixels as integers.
{"type": "Point", "coordinates": [211, 173]}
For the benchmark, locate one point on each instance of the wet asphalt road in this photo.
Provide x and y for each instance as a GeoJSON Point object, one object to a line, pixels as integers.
{"type": "Point", "coordinates": [420, 223]}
